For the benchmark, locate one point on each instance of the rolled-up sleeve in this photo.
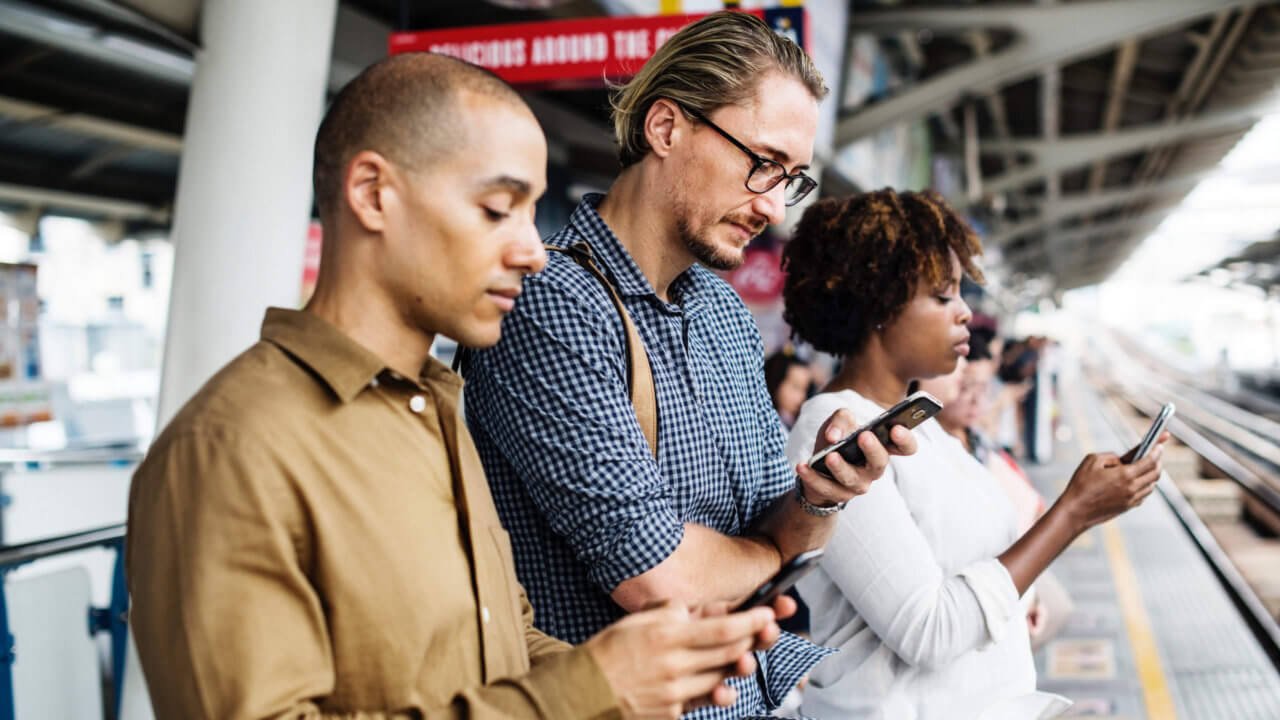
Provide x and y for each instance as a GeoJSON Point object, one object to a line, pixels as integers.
{"type": "Point", "coordinates": [552, 396]}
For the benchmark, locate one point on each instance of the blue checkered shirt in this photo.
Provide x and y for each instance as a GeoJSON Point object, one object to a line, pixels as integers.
{"type": "Point", "coordinates": [575, 482]}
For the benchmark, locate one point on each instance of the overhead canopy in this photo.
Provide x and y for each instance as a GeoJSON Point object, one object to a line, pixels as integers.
{"type": "Point", "coordinates": [93, 94]}
{"type": "Point", "coordinates": [1084, 122]}
{"type": "Point", "coordinates": [1091, 119]}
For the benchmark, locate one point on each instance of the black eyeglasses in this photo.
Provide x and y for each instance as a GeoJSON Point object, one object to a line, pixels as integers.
{"type": "Point", "coordinates": [765, 173]}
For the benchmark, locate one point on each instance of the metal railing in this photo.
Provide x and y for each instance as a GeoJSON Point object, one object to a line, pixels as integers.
{"type": "Point", "coordinates": [70, 456]}
{"type": "Point", "coordinates": [111, 619]}
{"type": "Point", "coordinates": [1260, 621]}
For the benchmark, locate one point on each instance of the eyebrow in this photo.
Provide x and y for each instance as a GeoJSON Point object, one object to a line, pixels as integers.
{"type": "Point", "coordinates": [780, 156]}
{"type": "Point", "coordinates": [513, 185]}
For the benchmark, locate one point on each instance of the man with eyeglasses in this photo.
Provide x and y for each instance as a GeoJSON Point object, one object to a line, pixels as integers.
{"type": "Point", "coordinates": [715, 134]}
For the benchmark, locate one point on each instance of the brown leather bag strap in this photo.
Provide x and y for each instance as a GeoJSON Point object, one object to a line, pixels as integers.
{"type": "Point", "coordinates": [644, 394]}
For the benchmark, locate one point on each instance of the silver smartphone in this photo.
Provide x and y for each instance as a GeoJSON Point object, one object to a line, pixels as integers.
{"type": "Point", "coordinates": [1153, 432]}
{"type": "Point", "coordinates": [912, 411]}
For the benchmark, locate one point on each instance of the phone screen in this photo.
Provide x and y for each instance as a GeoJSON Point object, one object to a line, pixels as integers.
{"type": "Point", "coordinates": [782, 581]}
{"type": "Point", "coordinates": [909, 413]}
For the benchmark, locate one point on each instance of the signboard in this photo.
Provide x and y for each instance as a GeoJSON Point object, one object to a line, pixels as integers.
{"type": "Point", "coordinates": [580, 52]}
{"type": "Point", "coordinates": [759, 278]}
{"type": "Point", "coordinates": [23, 397]}
{"type": "Point", "coordinates": [311, 259]}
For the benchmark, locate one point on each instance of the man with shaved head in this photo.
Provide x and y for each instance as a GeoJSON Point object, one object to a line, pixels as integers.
{"type": "Point", "coordinates": [312, 535]}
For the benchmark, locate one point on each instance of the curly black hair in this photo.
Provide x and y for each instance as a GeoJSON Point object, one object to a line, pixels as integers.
{"type": "Point", "coordinates": [855, 263]}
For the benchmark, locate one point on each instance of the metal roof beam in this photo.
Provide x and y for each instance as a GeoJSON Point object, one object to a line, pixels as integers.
{"type": "Point", "coordinates": [1126, 60]}
{"type": "Point", "coordinates": [28, 113]}
{"type": "Point", "coordinates": [53, 199]}
{"type": "Point", "coordinates": [1093, 25]}
{"type": "Point", "coordinates": [1070, 237]}
{"type": "Point", "coordinates": [1082, 149]}
{"type": "Point", "coordinates": [1081, 203]}
{"type": "Point", "coordinates": [358, 40]}
{"type": "Point", "coordinates": [46, 27]}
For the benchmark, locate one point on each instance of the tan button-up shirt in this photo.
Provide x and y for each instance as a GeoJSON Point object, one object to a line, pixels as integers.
{"type": "Point", "coordinates": [312, 537]}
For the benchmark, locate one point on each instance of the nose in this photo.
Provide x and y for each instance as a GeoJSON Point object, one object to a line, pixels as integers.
{"type": "Point", "coordinates": [772, 205]}
{"type": "Point", "coordinates": [527, 254]}
{"type": "Point", "coordinates": [966, 314]}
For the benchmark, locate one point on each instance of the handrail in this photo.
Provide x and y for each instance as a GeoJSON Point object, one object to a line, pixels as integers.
{"type": "Point", "coordinates": [71, 456]}
{"type": "Point", "coordinates": [1255, 614]}
{"type": "Point", "coordinates": [22, 553]}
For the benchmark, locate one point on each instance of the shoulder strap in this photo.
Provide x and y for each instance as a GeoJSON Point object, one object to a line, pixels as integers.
{"type": "Point", "coordinates": [644, 394]}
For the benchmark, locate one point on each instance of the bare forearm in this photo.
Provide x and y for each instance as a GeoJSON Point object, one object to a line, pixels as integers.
{"type": "Point", "coordinates": [1040, 545]}
{"type": "Point", "coordinates": [793, 530]}
{"type": "Point", "coordinates": [707, 566]}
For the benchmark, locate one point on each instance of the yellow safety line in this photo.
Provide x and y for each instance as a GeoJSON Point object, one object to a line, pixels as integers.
{"type": "Point", "coordinates": [1155, 691]}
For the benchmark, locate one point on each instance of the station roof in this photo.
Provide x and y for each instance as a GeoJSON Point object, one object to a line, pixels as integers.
{"type": "Point", "coordinates": [1078, 124]}
{"type": "Point", "coordinates": [1085, 122]}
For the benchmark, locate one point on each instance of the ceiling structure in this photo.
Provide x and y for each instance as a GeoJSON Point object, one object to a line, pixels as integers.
{"type": "Point", "coordinates": [93, 96]}
{"type": "Point", "coordinates": [1257, 265]}
{"type": "Point", "coordinates": [1084, 122]}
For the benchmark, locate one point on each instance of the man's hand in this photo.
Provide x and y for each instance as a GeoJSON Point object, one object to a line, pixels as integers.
{"type": "Point", "coordinates": [665, 661]}
{"type": "Point", "coordinates": [783, 607]}
{"type": "Point", "coordinates": [849, 481]}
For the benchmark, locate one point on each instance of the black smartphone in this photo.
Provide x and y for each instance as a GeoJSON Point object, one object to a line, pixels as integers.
{"type": "Point", "coordinates": [1153, 432]}
{"type": "Point", "coordinates": [782, 581]}
{"type": "Point", "coordinates": [917, 408]}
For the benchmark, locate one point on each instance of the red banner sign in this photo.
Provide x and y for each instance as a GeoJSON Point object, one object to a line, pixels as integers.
{"type": "Point", "coordinates": [759, 278]}
{"type": "Point", "coordinates": [573, 52]}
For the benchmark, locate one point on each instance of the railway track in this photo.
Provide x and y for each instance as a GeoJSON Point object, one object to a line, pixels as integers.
{"type": "Point", "coordinates": [1244, 446]}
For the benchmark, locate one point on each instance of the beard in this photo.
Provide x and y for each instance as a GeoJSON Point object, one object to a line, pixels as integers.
{"type": "Point", "coordinates": [704, 250]}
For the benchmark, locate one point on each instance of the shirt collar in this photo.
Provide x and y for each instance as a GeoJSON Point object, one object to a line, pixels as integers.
{"type": "Point", "coordinates": [340, 362]}
{"type": "Point", "coordinates": [607, 250]}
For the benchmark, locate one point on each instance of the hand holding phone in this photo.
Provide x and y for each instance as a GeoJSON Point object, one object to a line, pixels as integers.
{"type": "Point", "coordinates": [1153, 433]}
{"type": "Point", "coordinates": [909, 413]}
{"type": "Point", "coordinates": [782, 581]}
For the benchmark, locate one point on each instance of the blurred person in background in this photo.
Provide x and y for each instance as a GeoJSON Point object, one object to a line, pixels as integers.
{"type": "Point", "coordinates": [789, 381]}
{"type": "Point", "coordinates": [967, 393]}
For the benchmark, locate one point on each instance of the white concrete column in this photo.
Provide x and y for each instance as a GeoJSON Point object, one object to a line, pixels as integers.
{"type": "Point", "coordinates": [244, 187]}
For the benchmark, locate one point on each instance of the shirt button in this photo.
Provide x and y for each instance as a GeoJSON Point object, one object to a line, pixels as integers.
{"type": "Point", "coordinates": [484, 614]}
{"type": "Point", "coordinates": [417, 403]}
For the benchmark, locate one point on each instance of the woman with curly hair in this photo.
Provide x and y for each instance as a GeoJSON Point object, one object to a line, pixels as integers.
{"type": "Point", "coordinates": [920, 585]}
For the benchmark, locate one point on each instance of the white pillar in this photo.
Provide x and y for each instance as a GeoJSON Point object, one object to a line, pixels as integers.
{"type": "Point", "coordinates": [243, 200]}
{"type": "Point", "coordinates": [244, 187]}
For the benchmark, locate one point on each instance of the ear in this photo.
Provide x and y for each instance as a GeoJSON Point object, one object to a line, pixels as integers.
{"type": "Point", "coordinates": [366, 181]}
{"type": "Point", "coordinates": [663, 126]}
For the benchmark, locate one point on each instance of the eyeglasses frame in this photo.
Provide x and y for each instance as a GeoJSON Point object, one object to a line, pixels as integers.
{"type": "Point", "coordinates": [758, 161]}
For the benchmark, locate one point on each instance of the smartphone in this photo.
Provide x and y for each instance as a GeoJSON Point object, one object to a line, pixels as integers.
{"type": "Point", "coordinates": [782, 581]}
{"type": "Point", "coordinates": [917, 408]}
{"type": "Point", "coordinates": [1153, 432]}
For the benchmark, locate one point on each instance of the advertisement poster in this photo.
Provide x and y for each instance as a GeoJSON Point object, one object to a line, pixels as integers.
{"type": "Point", "coordinates": [24, 398]}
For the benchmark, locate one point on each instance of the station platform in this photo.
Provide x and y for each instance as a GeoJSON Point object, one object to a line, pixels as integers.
{"type": "Point", "coordinates": [1154, 634]}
